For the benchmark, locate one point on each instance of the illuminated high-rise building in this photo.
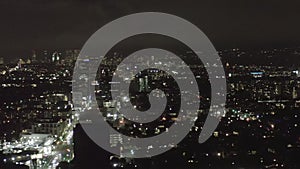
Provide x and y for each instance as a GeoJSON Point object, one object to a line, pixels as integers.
{"type": "Point", "coordinates": [56, 57]}
{"type": "Point", "coordinates": [1, 61]}
{"type": "Point", "coordinates": [115, 140]}
{"type": "Point", "coordinates": [278, 89]}
{"type": "Point", "coordinates": [143, 84]}
{"type": "Point", "coordinates": [45, 56]}
{"type": "Point", "coordinates": [33, 57]}
{"type": "Point", "coordinates": [49, 126]}
{"type": "Point", "coordinates": [71, 56]}
{"type": "Point", "coordinates": [294, 93]}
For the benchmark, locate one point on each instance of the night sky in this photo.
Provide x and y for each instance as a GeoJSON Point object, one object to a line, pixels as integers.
{"type": "Point", "coordinates": [53, 24]}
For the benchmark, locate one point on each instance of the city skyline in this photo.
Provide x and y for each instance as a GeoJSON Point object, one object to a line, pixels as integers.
{"type": "Point", "coordinates": [149, 85]}
{"type": "Point", "coordinates": [262, 107]}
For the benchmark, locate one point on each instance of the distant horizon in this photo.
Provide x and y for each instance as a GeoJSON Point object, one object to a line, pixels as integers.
{"type": "Point", "coordinates": [30, 52]}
